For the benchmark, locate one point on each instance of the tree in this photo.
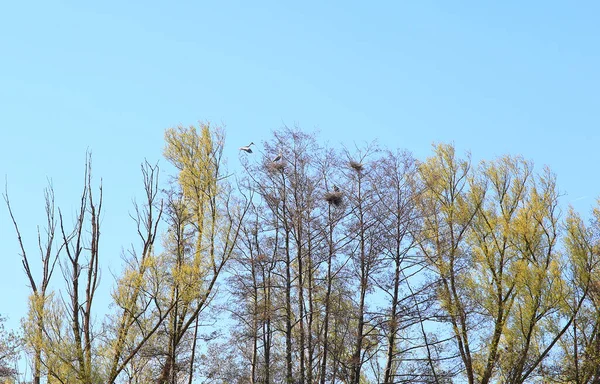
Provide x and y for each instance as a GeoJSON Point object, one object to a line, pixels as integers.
{"type": "Point", "coordinates": [579, 354]}
{"type": "Point", "coordinates": [491, 238]}
{"type": "Point", "coordinates": [65, 346]}
{"type": "Point", "coordinates": [9, 349]}
{"type": "Point", "coordinates": [203, 225]}
{"type": "Point", "coordinates": [448, 210]}
{"type": "Point", "coordinates": [395, 189]}
{"type": "Point", "coordinates": [70, 341]}
{"type": "Point", "coordinates": [496, 234]}
{"type": "Point", "coordinates": [140, 312]}
{"type": "Point", "coordinates": [542, 295]}
{"type": "Point", "coordinates": [340, 266]}
{"type": "Point", "coordinates": [365, 246]}
{"type": "Point", "coordinates": [286, 188]}
{"type": "Point", "coordinates": [333, 243]}
{"type": "Point", "coordinates": [39, 288]}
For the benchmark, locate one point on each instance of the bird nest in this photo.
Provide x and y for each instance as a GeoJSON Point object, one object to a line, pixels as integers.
{"type": "Point", "coordinates": [260, 258]}
{"type": "Point", "coordinates": [356, 165]}
{"type": "Point", "coordinates": [334, 198]}
{"type": "Point", "coordinates": [277, 166]}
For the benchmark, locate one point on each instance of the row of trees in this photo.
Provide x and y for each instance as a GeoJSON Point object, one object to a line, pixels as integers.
{"type": "Point", "coordinates": [324, 266]}
{"type": "Point", "coordinates": [370, 265]}
{"type": "Point", "coordinates": [162, 291]}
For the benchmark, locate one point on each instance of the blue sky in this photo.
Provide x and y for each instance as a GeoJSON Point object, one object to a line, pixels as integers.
{"type": "Point", "coordinates": [492, 77]}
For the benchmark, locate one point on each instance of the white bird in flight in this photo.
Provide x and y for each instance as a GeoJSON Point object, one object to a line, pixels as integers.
{"type": "Point", "coordinates": [247, 148]}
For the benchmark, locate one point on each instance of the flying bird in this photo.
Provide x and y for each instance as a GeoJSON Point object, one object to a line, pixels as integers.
{"type": "Point", "coordinates": [247, 148]}
{"type": "Point", "coordinates": [278, 157]}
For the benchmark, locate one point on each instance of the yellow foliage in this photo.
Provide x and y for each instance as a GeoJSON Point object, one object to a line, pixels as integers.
{"type": "Point", "coordinates": [490, 235]}
{"type": "Point", "coordinates": [194, 155]}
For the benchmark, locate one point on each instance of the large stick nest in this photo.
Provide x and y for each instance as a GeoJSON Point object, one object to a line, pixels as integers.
{"type": "Point", "coordinates": [334, 198]}
{"type": "Point", "coordinates": [260, 258]}
{"type": "Point", "coordinates": [276, 166]}
{"type": "Point", "coordinates": [356, 165]}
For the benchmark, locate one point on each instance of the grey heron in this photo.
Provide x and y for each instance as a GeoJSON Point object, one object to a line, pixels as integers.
{"type": "Point", "coordinates": [247, 148]}
{"type": "Point", "coordinates": [278, 157]}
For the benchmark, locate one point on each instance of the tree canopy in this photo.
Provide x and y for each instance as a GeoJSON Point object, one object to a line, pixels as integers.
{"type": "Point", "coordinates": [311, 264]}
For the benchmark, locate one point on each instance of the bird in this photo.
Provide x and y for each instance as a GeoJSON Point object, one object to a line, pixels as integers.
{"type": "Point", "coordinates": [335, 188]}
{"type": "Point", "coordinates": [247, 148]}
{"type": "Point", "coordinates": [278, 157]}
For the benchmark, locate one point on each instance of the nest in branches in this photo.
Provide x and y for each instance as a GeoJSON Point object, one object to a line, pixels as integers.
{"type": "Point", "coordinates": [356, 165]}
{"type": "Point", "coordinates": [276, 166]}
{"type": "Point", "coordinates": [334, 198]}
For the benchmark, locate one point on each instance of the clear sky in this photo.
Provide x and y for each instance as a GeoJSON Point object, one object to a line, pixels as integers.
{"type": "Point", "coordinates": [492, 77]}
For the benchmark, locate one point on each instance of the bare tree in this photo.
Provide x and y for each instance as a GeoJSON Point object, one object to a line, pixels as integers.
{"type": "Point", "coordinates": [398, 216]}
{"type": "Point", "coordinates": [48, 256]}
{"type": "Point", "coordinates": [334, 240]}
{"type": "Point", "coordinates": [140, 313]}
{"type": "Point", "coordinates": [81, 273]}
{"type": "Point", "coordinates": [365, 249]}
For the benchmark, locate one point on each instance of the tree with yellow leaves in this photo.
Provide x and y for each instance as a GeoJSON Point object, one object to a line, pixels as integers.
{"type": "Point", "coordinates": [203, 225]}
{"type": "Point", "coordinates": [579, 358]}
{"type": "Point", "coordinates": [491, 237]}
{"type": "Point", "coordinates": [449, 208]}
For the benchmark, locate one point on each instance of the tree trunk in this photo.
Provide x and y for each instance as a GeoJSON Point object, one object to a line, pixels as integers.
{"type": "Point", "coordinates": [301, 316]}
{"type": "Point", "coordinates": [327, 301]}
{"type": "Point", "coordinates": [309, 373]}
{"type": "Point", "coordinates": [393, 324]}
{"type": "Point", "coordinates": [356, 356]}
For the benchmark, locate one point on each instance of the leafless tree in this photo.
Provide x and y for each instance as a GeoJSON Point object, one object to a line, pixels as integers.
{"type": "Point", "coordinates": [48, 256]}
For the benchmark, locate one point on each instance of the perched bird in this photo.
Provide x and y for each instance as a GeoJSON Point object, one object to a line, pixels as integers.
{"type": "Point", "coordinates": [278, 157]}
{"type": "Point", "coordinates": [247, 148]}
{"type": "Point", "coordinates": [334, 197]}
